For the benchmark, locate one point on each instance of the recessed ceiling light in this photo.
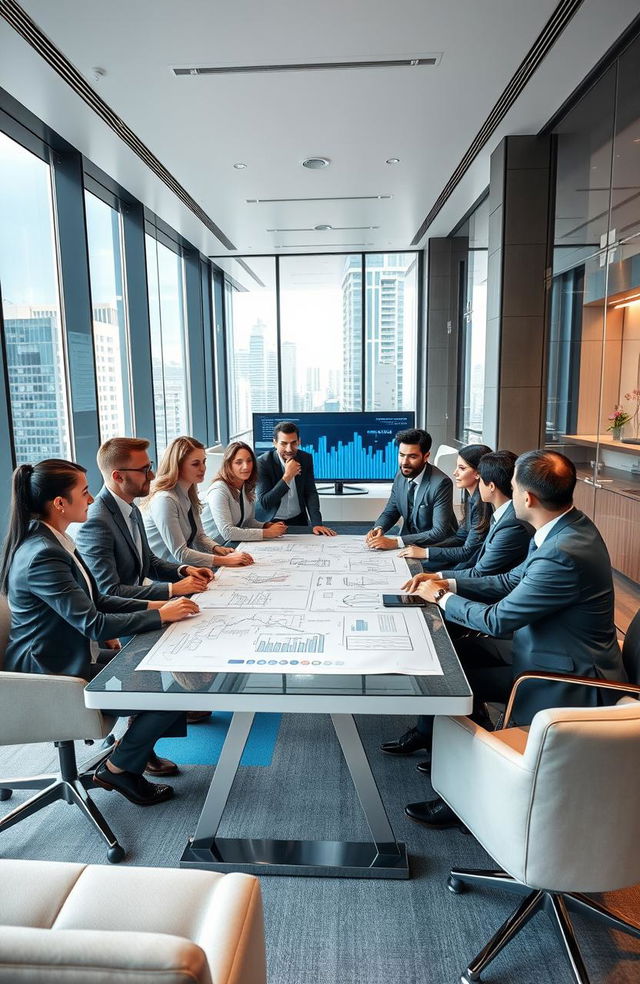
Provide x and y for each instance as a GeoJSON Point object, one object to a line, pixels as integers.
{"type": "Point", "coordinates": [322, 228]}
{"type": "Point", "coordinates": [239, 166]}
{"type": "Point", "coordinates": [316, 163]}
{"type": "Point", "coordinates": [392, 160]}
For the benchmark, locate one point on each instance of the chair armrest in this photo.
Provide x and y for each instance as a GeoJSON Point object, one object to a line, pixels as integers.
{"type": "Point", "coordinates": [624, 688]}
{"type": "Point", "coordinates": [67, 956]}
{"type": "Point", "coordinates": [43, 707]}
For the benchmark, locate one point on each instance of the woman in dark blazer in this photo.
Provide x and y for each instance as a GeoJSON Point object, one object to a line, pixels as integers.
{"type": "Point", "coordinates": [59, 617]}
{"type": "Point", "coordinates": [461, 549]}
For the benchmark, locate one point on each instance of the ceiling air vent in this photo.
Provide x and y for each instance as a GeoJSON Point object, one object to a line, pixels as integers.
{"type": "Point", "coordinates": [406, 61]}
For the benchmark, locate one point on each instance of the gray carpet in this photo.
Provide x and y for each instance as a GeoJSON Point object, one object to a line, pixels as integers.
{"type": "Point", "coordinates": [322, 930]}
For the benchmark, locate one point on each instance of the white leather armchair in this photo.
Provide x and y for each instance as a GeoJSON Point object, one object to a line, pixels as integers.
{"type": "Point", "coordinates": [71, 923]}
{"type": "Point", "coordinates": [556, 805]}
{"type": "Point", "coordinates": [40, 708]}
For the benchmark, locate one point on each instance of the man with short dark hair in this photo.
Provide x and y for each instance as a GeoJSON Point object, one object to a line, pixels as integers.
{"type": "Point", "coordinates": [421, 496]}
{"type": "Point", "coordinates": [286, 489]}
{"type": "Point", "coordinates": [558, 606]}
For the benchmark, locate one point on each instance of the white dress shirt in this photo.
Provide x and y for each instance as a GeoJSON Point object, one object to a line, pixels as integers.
{"type": "Point", "coordinates": [289, 503]}
{"type": "Point", "coordinates": [416, 481]}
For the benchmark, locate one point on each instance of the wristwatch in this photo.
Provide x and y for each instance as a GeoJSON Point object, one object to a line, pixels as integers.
{"type": "Point", "coordinates": [440, 593]}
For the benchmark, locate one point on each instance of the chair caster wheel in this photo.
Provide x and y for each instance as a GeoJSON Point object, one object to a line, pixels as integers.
{"type": "Point", "coordinates": [6, 794]}
{"type": "Point", "coordinates": [455, 885]}
{"type": "Point", "coordinates": [115, 854]}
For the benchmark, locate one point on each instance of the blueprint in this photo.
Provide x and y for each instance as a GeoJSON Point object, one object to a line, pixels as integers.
{"type": "Point", "coordinates": [308, 605]}
{"type": "Point", "coordinates": [259, 641]}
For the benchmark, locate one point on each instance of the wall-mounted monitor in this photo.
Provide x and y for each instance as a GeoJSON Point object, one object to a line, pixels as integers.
{"type": "Point", "coordinates": [346, 446]}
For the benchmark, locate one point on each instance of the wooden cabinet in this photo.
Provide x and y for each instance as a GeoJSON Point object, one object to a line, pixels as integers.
{"type": "Point", "coordinates": [618, 519]}
{"type": "Point", "coordinates": [584, 498]}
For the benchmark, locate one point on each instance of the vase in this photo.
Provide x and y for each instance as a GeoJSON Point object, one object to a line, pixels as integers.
{"type": "Point", "coordinates": [616, 433]}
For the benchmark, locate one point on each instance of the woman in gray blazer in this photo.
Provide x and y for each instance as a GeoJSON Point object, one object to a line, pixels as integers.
{"type": "Point", "coordinates": [231, 498]}
{"type": "Point", "coordinates": [172, 509]}
{"type": "Point", "coordinates": [59, 617]}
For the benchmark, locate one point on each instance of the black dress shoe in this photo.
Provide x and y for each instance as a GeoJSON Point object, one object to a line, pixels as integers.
{"type": "Point", "coordinates": [434, 814]}
{"type": "Point", "coordinates": [135, 788]}
{"type": "Point", "coordinates": [408, 743]}
{"type": "Point", "coordinates": [424, 768]}
{"type": "Point", "coordinates": [157, 766]}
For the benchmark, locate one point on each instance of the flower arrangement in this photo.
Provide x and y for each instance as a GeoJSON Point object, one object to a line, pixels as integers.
{"type": "Point", "coordinates": [619, 417]}
{"type": "Point", "coordinates": [634, 397]}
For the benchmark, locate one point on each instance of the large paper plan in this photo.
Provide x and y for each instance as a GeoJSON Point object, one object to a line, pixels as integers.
{"type": "Point", "coordinates": [308, 605]}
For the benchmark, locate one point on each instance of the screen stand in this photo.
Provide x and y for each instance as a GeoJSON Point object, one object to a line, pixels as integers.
{"type": "Point", "coordinates": [339, 488]}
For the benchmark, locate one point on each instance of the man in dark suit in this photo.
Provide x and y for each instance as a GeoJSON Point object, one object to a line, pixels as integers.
{"type": "Point", "coordinates": [553, 612]}
{"type": "Point", "coordinates": [421, 496]}
{"type": "Point", "coordinates": [286, 489]}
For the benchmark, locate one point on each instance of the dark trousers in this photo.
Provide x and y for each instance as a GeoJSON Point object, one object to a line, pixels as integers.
{"type": "Point", "coordinates": [487, 665]}
{"type": "Point", "coordinates": [133, 751]}
{"type": "Point", "coordinates": [300, 520]}
{"type": "Point", "coordinates": [134, 748]}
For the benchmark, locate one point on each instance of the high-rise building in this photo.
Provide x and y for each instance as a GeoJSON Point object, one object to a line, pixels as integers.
{"type": "Point", "coordinates": [106, 344]}
{"type": "Point", "coordinates": [35, 367]}
{"type": "Point", "coordinates": [290, 400]}
{"type": "Point", "coordinates": [385, 300]}
{"type": "Point", "coordinates": [352, 334]}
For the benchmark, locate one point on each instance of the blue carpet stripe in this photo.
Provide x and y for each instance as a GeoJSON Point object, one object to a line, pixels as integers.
{"type": "Point", "coordinates": [204, 741]}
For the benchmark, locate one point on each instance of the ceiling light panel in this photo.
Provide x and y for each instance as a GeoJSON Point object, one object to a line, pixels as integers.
{"type": "Point", "coordinates": [328, 229]}
{"type": "Point", "coordinates": [335, 198]}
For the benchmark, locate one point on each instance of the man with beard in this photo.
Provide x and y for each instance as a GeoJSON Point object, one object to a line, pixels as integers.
{"type": "Point", "coordinates": [422, 497]}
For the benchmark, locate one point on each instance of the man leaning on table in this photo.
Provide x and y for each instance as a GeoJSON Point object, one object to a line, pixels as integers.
{"type": "Point", "coordinates": [113, 542]}
{"type": "Point", "coordinates": [554, 612]}
{"type": "Point", "coordinates": [421, 496]}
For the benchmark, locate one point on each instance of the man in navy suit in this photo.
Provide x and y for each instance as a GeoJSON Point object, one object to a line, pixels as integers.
{"type": "Point", "coordinates": [505, 546]}
{"type": "Point", "coordinates": [421, 496]}
{"type": "Point", "coordinates": [286, 488]}
{"type": "Point", "coordinates": [553, 612]}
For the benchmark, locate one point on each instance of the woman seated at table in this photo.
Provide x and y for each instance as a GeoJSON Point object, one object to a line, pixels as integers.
{"type": "Point", "coordinates": [231, 498]}
{"type": "Point", "coordinates": [59, 617]}
{"type": "Point", "coordinates": [461, 549]}
{"type": "Point", "coordinates": [172, 509]}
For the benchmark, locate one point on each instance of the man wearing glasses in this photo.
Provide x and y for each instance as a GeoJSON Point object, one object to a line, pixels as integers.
{"type": "Point", "coordinates": [113, 542]}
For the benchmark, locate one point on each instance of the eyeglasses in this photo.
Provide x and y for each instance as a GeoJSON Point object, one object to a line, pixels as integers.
{"type": "Point", "coordinates": [143, 471]}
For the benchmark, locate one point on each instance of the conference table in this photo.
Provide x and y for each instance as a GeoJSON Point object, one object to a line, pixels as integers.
{"type": "Point", "coordinates": [120, 687]}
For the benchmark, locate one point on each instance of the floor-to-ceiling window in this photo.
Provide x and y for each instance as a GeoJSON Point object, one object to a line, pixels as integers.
{"type": "Point", "coordinates": [169, 361]}
{"type": "Point", "coordinates": [320, 332]}
{"type": "Point", "coordinates": [473, 326]}
{"type": "Point", "coordinates": [108, 309]}
{"type": "Point", "coordinates": [31, 307]}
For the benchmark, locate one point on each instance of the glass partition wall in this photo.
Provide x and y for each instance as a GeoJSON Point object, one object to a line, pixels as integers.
{"type": "Point", "coordinates": [320, 332]}
{"type": "Point", "coordinates": [593, 347]}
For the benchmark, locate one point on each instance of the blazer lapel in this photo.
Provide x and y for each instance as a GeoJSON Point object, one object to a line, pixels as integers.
{"type": "Point", "coordinates": [119, 520]}
{"type": "Point", "coordinates": [423, 488]}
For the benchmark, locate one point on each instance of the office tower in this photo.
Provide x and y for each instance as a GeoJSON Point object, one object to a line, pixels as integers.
{"type": "Point", "coordinates": [352, 334]}
{"type": "Point", "coordinates": [108, 359]}
{"type": "Point", "coordinates": [35, 366]}
{"type": "Point", "coordinates": [170, 402]}
{"type": "Point", "coordinates": [289, 377]}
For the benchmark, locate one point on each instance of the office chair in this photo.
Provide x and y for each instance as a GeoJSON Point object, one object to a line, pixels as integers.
{"type": "Point", "coordinates": [37, 707]}
{"type": "Point", "coordinates": [556, 805]}
{"type": "Point", "coordinates": [445, 459]}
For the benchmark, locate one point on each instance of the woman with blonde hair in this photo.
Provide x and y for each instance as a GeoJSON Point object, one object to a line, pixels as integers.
{"type": "Point", "coordinates": [231, 498]}
{"type": "Point", "coordinates": [172, 511]}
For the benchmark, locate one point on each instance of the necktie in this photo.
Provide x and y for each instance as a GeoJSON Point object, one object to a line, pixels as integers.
{"type": "Point", "coordinates": [136, 520]}
{"type": "Point", "coordinates": [533, 546]}
{"type": "Point", "coordinates": [411, 494]}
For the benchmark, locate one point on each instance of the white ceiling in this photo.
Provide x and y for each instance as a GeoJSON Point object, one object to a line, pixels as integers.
{"type": "Point", "coordinates": [200, 126]}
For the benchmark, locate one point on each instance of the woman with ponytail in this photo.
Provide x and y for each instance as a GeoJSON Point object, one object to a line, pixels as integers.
{"type": "Point", "coordinates": [461, 549]}
{"type": "Point", "coordinates": [59, 617]}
